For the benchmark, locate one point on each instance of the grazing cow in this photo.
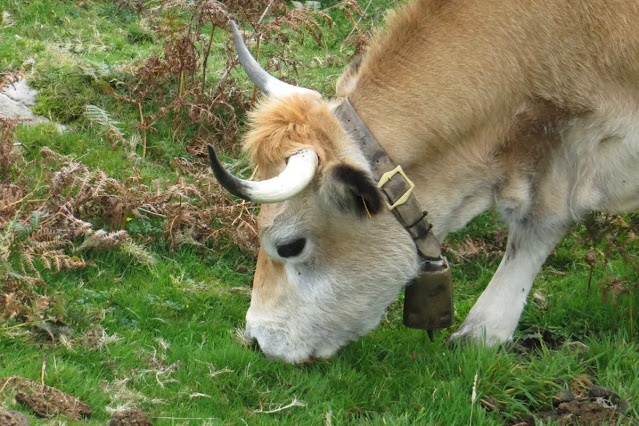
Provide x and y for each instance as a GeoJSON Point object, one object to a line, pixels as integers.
{"type": "Point", "coordinates": [530, 107]}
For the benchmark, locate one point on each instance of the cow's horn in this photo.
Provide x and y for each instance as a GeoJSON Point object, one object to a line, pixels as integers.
{"type": "Point", "coordinates": [299, 172]}
{"type": "Point", "coordinates": [267, 84]}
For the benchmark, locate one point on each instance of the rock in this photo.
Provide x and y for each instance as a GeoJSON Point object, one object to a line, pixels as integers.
{"type": "Point", "coordinates": [130, 418]}
{"type": "Point", "coordinates": [12, 109]}
{"type": "Point", "coordinates": [15, 108]}
{"type": "Point", "coordinates": [562, 396]}
{"type": "Point", "coordinates": [21, 92]}
{"type": "Point", "coordinates": [13, 418]}
{"type": "Point", "coordinates": [597, 391]}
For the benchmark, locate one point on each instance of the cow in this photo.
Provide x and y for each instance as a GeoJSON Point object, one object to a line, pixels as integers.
{"type": "Point", "coordinates": [528, 107]}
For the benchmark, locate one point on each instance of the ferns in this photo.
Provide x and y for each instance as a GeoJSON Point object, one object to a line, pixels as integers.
{"type": "Point", "coordinates": [100, 116]}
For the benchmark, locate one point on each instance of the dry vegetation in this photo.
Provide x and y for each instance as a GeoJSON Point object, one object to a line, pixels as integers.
{"type": "Point", "coordinates": [49, 221]}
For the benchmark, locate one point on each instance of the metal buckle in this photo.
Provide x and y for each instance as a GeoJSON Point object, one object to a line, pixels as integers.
{"type": "Point", "coordinates": [388, 176]}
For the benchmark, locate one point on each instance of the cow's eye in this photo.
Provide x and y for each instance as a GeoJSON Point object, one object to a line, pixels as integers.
{"type": "Point", "coordinates": [292, 248]}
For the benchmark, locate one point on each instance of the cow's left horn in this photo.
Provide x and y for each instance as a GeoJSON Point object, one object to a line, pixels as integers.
{"type": "Point", "coordinates": [264, 81]}
{"type": "Point", "coordinates": [299, 172]}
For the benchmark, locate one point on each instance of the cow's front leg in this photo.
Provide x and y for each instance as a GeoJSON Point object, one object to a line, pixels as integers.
{"type": "Point", "coordinates": [496, 313]}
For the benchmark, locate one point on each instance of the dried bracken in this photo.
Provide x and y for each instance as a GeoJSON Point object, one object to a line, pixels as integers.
{"type": "Point", "coordinates": [72, 209]}
{"type": "Point", "coordinates": [611, 237]}
{"type": "Point", "coordinates": [176, 85]}
{"type": "Point", "coordinates": [489, 248]}
{"type": "Point", "coordinates": [55, 210]}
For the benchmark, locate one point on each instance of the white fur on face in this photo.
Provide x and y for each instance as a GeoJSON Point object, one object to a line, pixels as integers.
{"type": "Point", "coordinates": [337, 291]}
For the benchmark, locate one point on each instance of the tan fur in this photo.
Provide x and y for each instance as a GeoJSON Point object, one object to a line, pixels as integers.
{"type": "Point", "coordinates": [530, 106]}
{"type": "Point", "coordinates": [347, 81]}
{"type": "Point", "coordinates": [265, 270]}
{"type": "Point", "coordinates": [443, 67]}
{"type": "Point", "coordinates": [279, 127]}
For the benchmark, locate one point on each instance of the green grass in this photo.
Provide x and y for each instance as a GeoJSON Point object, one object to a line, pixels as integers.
{"type": "Point", "coordinates": [170, 343]}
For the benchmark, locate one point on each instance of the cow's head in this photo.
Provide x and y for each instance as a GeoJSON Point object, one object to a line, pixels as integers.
{"type": "Point", "coordinates": [332, 256]}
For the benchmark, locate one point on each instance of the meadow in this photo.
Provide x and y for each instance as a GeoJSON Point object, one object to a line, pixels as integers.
{"type": "Point", "coordinates": [125, 270]}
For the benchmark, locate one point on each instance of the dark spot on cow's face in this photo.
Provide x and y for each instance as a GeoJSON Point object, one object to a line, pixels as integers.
{"type": "Point", "coordinates": [365, 195]}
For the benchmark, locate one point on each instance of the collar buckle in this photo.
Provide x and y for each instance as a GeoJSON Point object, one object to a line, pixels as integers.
{"type": "Point", "coordinates": [388, 176]}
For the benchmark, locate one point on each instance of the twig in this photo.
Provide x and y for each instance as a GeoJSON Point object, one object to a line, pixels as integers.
{"type": "Point", "coordinates": [143, 130]}
{"type": "Point", "coordinates": [328, 418]}
{"type": "Point", "coordinates": [357, 23]}
{"type": "Point", "coordinates": [632, 322]}
{"type": "Point", "coordinates": [340, 4]}
{"type": "Point", "coordinates": [43, 369]}
{"type": "Point", "coordinates": [199, 395]}
{"type": "Point", "coordinates": [24, 324]}
{"type": "Point", "coordinates": [151, 213]}
{"type": "Point", "coordinates": [22, 145]}
{"type": "Point", "coordinates": [268, 6]}
{"type": "Point", "coordinates": [6, 383]}
{"type": "Point", "coordinates": [186, 418]}
{"type": "Point", "coordinates": [206, 57]}
{"type": "Point", "coordinates": [473, 397]}
{"type": "Point", "coordinates": [294, 403]}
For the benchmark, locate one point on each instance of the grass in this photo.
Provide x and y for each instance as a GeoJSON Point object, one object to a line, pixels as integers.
{"type": "Point", "coordinates": [167, 330]}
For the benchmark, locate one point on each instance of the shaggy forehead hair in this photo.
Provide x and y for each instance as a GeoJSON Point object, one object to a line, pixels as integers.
{"type": "Point", "coordinates": [280, 127]}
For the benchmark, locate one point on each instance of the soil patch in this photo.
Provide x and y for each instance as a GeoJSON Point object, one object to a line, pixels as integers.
{"type": "Point", "coordinates": [581, 406]}
{"type": "Point", "coordinates": [536, 339]}
{"type": "Point", "coordinates": [130, 418]}
{"type": "Point", "coordinates": [45, 401]}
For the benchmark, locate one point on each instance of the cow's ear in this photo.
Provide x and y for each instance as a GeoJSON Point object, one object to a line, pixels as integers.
{"type": "Point", "coordinates": [352, 189]}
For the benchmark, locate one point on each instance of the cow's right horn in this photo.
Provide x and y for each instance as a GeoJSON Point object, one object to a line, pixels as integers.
{"type": "Point", "coordinates": [299, 172]}
{"type": "Point", "coordinates": [264, 81]}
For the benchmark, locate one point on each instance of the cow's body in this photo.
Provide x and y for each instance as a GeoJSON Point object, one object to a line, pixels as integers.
{"type": "Point", "coordinates": [531, 107]}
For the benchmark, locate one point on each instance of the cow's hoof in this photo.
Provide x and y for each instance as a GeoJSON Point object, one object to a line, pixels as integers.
{"type": "Point", "coordinates": [460, 339]}
{"type": "Point", "coordinates": [479, 334]}
{"type": "Point", "coordinates": [463, 336]}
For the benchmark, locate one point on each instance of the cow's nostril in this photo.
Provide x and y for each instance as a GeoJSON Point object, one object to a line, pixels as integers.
{"type": "Point", "coordinates": [292, 248]}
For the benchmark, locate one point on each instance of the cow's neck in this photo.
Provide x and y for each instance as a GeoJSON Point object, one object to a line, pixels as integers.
{"type": "Point", "coordinates": [456, 180]}
{"type": "Point", "coordinates": [436, 112]}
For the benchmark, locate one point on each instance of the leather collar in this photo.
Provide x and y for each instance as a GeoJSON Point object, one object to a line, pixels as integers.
{"type": "Point", "coordinates": [396, 188]}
